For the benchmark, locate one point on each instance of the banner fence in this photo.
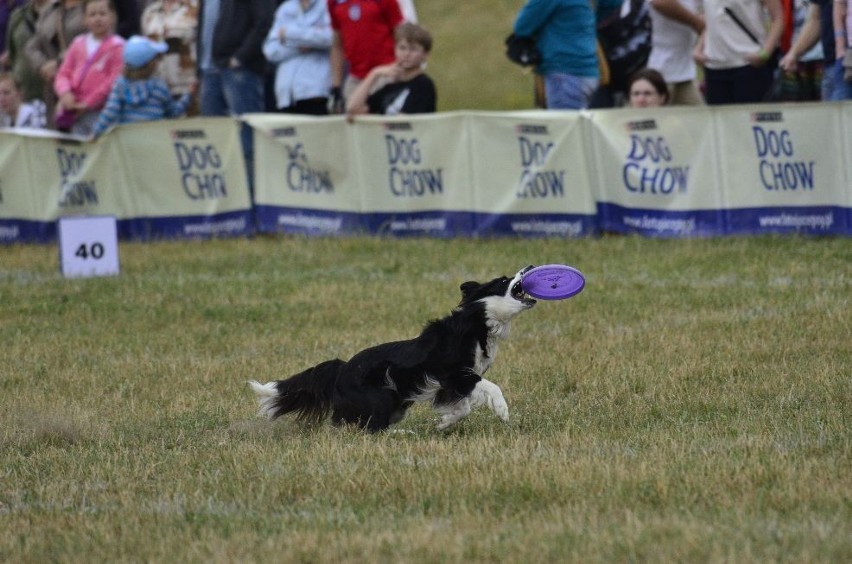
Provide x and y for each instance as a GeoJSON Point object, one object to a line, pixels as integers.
{"type": "Point", "coordinates": [667, 172]}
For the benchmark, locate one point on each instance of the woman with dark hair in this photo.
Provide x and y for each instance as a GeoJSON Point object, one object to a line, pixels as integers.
{"type": "Point", "coordinates": [647, 89]}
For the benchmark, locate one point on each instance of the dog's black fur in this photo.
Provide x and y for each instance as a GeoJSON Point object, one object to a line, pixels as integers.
{"type": "Point", "coordinates": [444, 365]}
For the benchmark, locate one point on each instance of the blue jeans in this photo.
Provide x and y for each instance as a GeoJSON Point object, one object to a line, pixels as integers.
{"type": "Point", "coordinates": [567, 91]}
{"type": "Point", "coordinates": [834, 88]}
{"type": "Point", "coordinates": [233, 92]}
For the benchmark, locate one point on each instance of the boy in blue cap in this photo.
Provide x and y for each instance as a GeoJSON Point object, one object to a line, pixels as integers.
{"type": "Point", "coordinates": [138, 95]}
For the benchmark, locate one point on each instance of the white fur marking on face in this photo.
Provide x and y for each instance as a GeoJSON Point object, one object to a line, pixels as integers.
{"type": "Point", "coordinates": [266, 396]}
{"type": "Point", "coordinates": [499, 310]}
{"type": "Point", "coordinates": [490, 394]}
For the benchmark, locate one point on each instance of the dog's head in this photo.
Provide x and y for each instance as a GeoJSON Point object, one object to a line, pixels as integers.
{"type": "Point", "coordinates": [502, 297]}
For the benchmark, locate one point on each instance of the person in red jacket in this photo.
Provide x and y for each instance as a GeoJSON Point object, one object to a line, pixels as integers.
{"type": "Point", "coordinates": [363, 38]}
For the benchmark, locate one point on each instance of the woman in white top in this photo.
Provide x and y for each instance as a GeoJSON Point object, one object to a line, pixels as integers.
{"type": "Point", "coordinates": [676, 25]}
{"type": "Point", "coordinates": [737, 48]}
{"type": "Point", "coordinates": [299, 45]}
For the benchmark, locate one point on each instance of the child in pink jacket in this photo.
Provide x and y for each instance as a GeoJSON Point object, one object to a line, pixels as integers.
{"type": "Point", "coordinates": [91, 64]}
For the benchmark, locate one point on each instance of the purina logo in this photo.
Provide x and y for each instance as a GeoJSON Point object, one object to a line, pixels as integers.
{"type": "Point", "coordinates": [180, 134]}
{"type": "Point", "coordinates": [283, 132]}
{"type": "Point", "coordinates": [644, 125]}
{"type": "Point", "coordinates": [767, 117]}
{"type": "Point", "coordinates": [527, 129]}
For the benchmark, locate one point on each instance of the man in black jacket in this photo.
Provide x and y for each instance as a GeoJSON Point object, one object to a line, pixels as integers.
{"type": "Point", "coordinates": [231, 63]}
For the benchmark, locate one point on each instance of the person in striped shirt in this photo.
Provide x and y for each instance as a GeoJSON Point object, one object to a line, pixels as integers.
{"type": "Point", "coordinates": [137, 95]}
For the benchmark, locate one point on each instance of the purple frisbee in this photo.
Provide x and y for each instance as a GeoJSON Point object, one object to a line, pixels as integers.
{"type": "Point", "coordinates": [553, 282]}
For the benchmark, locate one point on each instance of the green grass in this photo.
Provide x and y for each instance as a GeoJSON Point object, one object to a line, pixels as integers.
{"type": "Point", "coordinates": [692, 404]}
{"type": "Point", "coordinates": [468, 61]}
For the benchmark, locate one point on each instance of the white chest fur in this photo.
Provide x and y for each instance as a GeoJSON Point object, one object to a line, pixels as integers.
{"type": "Point", "coordinates": [483, 358]}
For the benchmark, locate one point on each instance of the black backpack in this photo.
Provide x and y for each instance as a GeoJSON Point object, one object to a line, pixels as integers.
{"type": "Point", "coordinates": [626, 41]}
{"type": "Point", "coordinates": [522, 50]}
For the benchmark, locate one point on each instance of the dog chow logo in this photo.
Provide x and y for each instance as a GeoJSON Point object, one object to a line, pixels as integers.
{"type": "Point", "coordinates": [408, 177]}
{"type": "Point", "coordinates": [200, 164]}
{"type": "Point", "coordinates": [536, 150]}
{"type": "Point", "coordinates": [779, 168]}
{"type": "Point", "coordinates": [73, 190]}
{"type": "Point", "coordinates": [649, 166]}
{"type": "Point", "coordinates": [301, 176]}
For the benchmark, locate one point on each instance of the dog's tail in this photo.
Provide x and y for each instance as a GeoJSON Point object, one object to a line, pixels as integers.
{"type": "Point", "coordinates": [307, 394]}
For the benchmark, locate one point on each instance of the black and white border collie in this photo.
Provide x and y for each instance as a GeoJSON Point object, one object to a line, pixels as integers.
{"type": "Point", "coordinates": [444, 365]}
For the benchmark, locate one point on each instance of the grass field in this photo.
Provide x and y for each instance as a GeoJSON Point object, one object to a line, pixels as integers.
{"type": "Point", "coordinates": [691, 405]}
{"type": "Point", "coordinates": [468, 61]}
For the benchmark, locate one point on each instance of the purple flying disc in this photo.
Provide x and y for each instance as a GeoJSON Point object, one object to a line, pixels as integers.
{"type": "Point", "coordinates": [553, 282]}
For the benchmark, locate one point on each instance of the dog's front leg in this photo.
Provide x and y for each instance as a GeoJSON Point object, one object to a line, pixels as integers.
{"type": "Point", "coordinates": [489, 393]}
{"type": "Point", "coordinates": [453, 413]}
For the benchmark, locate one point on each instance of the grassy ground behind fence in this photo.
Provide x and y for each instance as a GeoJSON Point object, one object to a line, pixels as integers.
{"type": "Point", "coordinates": [692, 404]}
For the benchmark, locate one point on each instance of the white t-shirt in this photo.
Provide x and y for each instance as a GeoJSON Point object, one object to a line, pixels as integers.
{"type": "Point", "coordinates": [672, 43]}
{"type": "Point", "coordinates": [409, 13]}
{"type": "Point", "coordinates": [726, 44]}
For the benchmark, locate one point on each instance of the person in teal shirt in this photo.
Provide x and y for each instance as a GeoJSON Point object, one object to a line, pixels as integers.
{"type": "Point", "coordinates": [565, 35]}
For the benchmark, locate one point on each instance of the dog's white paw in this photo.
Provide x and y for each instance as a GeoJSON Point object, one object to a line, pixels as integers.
{"type": "Point", "coordinates": [491, 395]}
{"type": "Point", "coordinates": [500, 408]}
{"type": "Point", "coordinates": [446, 423]}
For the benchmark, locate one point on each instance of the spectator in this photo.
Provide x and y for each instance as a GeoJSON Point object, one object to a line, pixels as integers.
{"type": "Point", "coordinates": [676, 25]}
{"type": "Point", "coordinates": [409, 13]}
{"type": "Point", "coordinates": [362, 38]}
{"type": "Point", "coordinates": [819, 26]}
{"type": "Point", "coordinates": [299, 43]}
{"type": "Point", "coordinates": [58, 24]}
{"type": "Point", "coordinates": [13, 111]}
{"type": "Point", "coordinates": [842, 47]}
{"type": "Point", "coordinates": [176, 23]}
{"type": "Point", "coordinates": [408, 90]}
{"type": "Point", "coordinates": [231, 61]}
{"type": "Point", "coordinates": [6, 9]}
{"type": "Point", "coordinates": [736, 49]}
{"type": "Point", "coordinates": [647, 88]}
{"type": "Point", "coordinates": [128, 15]}
{"type": "Point", "coordinates": [566, 38]}
{"type": "Point", "coordinates": [138, 95]}
{"type": "Point", "coordinates": [22, 25]}
{"type": "Point", "coordinates": [802, 81]}
{"type": "Point", "coordinates": [90, 66]}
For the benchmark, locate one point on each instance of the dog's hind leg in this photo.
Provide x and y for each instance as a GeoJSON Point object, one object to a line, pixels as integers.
{"type": "Point", "coordinates": [490, 394]}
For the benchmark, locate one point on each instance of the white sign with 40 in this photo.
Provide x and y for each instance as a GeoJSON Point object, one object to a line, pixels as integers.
{"type": "Point", "coordinates": [88, 246]}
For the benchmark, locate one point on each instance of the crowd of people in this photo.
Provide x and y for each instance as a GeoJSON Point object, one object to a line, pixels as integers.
{"type": "Point", "coordinates": [84, 66]}
{"type": "Point", "coordinates": [744, 51]}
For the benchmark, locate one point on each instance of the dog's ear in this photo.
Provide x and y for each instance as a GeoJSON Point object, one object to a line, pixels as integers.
{"type": "Point", "coordinates": [468, 288]}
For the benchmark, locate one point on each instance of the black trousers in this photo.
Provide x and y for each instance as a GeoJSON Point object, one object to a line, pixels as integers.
{"type": "Point", "coordinates": [309, 106]}
{"type": "Point", "coordinates": [741, 85]}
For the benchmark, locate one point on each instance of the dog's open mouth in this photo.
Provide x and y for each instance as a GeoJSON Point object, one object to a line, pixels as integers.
{"type": "Point", "coordinates": [519, 294]}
